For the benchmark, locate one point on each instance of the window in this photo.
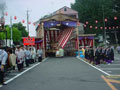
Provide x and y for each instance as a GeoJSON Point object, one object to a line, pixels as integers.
{"type": "Point", "coordinates": [65, 9]}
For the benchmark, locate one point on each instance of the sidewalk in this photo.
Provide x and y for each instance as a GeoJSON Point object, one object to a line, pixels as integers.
{"type": "Point", "coordinates": [116, 54]}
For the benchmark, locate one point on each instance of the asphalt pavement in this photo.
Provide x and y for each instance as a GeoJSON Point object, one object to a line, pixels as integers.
{"type": "Point", "coordinates": [67, 73]}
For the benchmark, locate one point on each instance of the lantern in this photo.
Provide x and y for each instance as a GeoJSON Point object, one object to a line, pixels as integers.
{"type": "Point", "coordinates": [86, 22]}
{"type": "Point", "coordinates": [96, 27]}
{"type": "Point", "coordinates": [117, 27]}
{"type": "Point", "coordinates": [106, 20]}
{"type": "Point", "coordinates": [84, 25]}
{"type": "Point", "coordinates": [15, 17]}
{"type": "Point", "coordinates": [109, 27]}
{"type": "Point", "coordinates": [29, 22]}
{"type": "Point", "coordinates": [113, 27]}
{"type": "Point", "coordinates": [105, 28]}
{"type": "Point", "coordinates": [115, 18]}
{"type": "Point", "coordinates": [101, 27]}
{"type": "Point", "coordinates": [91, 26]}
{"type": "Point", "coordinates": [23, 21]}
{"type": "Point", "coordinates": [96, 21]}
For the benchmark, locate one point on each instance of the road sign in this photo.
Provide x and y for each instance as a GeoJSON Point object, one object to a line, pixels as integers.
{"type": "Point", "coordinates": [29, 41]}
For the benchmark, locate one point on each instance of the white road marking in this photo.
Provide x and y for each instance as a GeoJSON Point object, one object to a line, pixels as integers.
{"type": "Point", "coordinates": [114, 64]}
{"type": "Point", "coordinates": [95, 67]}
{"type": "Point", "coordinates": [116, 58]}
{"type": "Point", "coordinates": [109, 71]}
{"type": "Point", "coordinates": [18, 75]}
{"type": "Point", "coordinates": [110, 68]}
{"type": "Point", "coordinates": [117, 61]}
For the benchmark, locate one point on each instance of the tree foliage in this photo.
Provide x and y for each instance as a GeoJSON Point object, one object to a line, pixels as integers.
{"type": "Point", "coordinates": [91, 10]}
{"type": "Point", "coordinates": [18, 32]}
{"type": "Point", "coordinates": [21, 28]}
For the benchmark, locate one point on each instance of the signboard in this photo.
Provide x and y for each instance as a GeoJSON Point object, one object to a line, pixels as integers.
{"type": "Point", "coordinates": [29, 41]}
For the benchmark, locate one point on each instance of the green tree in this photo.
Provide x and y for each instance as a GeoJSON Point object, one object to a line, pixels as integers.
{"type": "Point", "coordinates": [2, 35]}
{"type": "Point", "coordinates": [91, 10]}
{"type": "Point", "coordinates": [16, 34]}
{"type": "Point", "coordinates": [21, 28]}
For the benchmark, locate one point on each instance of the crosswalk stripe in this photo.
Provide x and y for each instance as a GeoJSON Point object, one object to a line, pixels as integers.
{"type": "Point", "coordinates": [110, 68]}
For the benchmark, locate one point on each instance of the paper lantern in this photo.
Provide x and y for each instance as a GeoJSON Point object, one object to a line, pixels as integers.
{"type": "Point", "coordinates": [113, 27]}
{"type": "Point", "coordinates": [23, 21]}
{"type": "Point", "coordinates": [115, 18]}
{"type": "Point", "coordinates": [110, 28]}
{"type": "Point", "coordinates": [105, 28]}
{"type": "Point", "coordinates": [117, 27]}
{"type": "Point", "coordinates": [85, 25]}
{"type": "Point", "coordinates": [86, 22]}
{"type": "Point", "coordinates": [96, 27]}
{"type": "Point", "coordinates": [15, 17]}
{"type": "Point", "coordinates": [91, 27]}
{"type": "Point", "coordinates": [106, 20]}
{"type": "Point", "coordinates": [101, 27]}
{"type": "Point", "coordinates": [29, 22]}
{"type": "Point", "coordinates": [96, 21]}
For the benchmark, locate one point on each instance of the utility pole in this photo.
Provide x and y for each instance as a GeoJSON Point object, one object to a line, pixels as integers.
{"type": "Point", "coordinates": [78, 42]}
{"type": "Point", "coordinates": [11, 31]}
{"type": "Point", "coordinates": [27, 22]}
{"type": "Point", "coordinates": [104, 25]}
{"type": "Point", "coordinates": [116, 37]}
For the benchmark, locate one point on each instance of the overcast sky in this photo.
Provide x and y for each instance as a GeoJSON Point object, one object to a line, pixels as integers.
{"type": "Point", "coordinates": [38, 8]}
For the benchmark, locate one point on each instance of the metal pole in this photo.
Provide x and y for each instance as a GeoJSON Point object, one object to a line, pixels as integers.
{"type": "Point", "coordinates": [28, 22]}
{"type": "Point", "coordinates": [104, 26]}
{"type": "Point", "coordinates": [116, 37]}
{"type": "Point", "coordinates": [6, 39]}
{"type": "Point", "coordinates": [11, 31]}
{"type": "Point", "coordinates": [78, 41]}
{"type": "Point", "coordinates": [43, 40]}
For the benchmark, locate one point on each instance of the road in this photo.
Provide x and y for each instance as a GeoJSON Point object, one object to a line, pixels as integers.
{"type": "Point", "coordinates": [67, 73]}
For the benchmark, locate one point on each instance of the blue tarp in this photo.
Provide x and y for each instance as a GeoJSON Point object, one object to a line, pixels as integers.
{"type": "Point", "coordinates": [81, 54]}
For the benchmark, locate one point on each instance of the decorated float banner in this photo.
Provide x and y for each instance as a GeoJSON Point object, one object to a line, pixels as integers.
{"type": "Point", "coordinates": [49, 24]}
{"type": "Point", "coordinates": [86, 41]}
{"type": "Point", "coordinates": [29, 41]}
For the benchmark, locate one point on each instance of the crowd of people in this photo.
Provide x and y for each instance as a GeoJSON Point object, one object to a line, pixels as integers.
{"type": "Point", "coordinates": [99, 55]}
{"type": "Point", "coordinates": [18, 58]}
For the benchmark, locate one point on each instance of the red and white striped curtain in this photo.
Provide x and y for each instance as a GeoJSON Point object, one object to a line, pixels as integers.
{"type": "Point", "coordinates": [60, 36]}
{"type": "Point", "coordinates": [86, 43]}
{"type": "Point", "coordinates": [52, 35]}
{"type": "Point", "coordinates": [65, 37]}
